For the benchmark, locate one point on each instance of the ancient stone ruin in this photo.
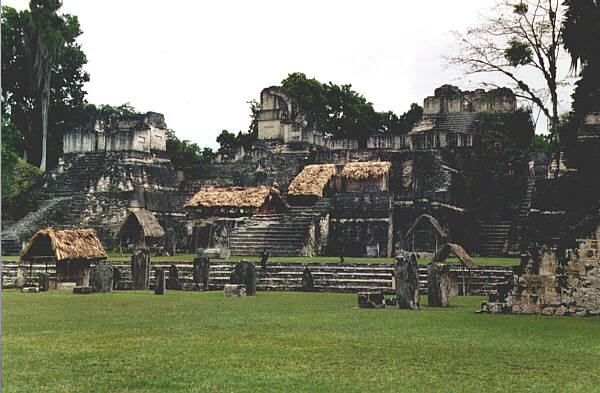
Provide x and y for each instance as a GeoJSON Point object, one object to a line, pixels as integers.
{"type": "Point", "coordinates": [406, 280]}
{"type": "Point", "coordinates": [556, 281]}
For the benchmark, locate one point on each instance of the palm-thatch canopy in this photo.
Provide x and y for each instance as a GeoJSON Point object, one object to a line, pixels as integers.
{"type": "Point", "coordinates": [312, 180]}
{"type": "Point", "coordinates": [434, 223]}
{"type": "Point", "coordinates": [240, 197]}
{"type": "Point", "coordinates": [442, 253]}
{"type": "Point", "coordinates": [76, 244]}
{"type": "Point", "coordinates": [366, 170]}
{"type": "Point", "coordinates": [140, 224]}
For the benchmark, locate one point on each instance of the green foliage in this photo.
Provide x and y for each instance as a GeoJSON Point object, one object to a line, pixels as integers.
{"type": "Point", "coordinates": [521, 8]}
{"type": "Point", "coordinates": [229, 141]}
{"type": "Point", "coordinates": [518, 53]}
{"type": "Point", "coordinates": [342, 112]}
{"type": "Point", "coordinates": [510, 129]}
{"type": "Point", "coordinates": [135, 341]}
{"type": "Point", "coordinates": [185, 155]}
{"type": "Point", "coordinates": [543, 143]}
{"type": "Point", "coordinates": [66, 97]}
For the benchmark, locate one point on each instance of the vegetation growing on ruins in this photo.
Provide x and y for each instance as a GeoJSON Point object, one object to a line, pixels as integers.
{"type": "Point", "coordinates": [134, 341]}
{"type": "Point", "coordinates": [510, 129]}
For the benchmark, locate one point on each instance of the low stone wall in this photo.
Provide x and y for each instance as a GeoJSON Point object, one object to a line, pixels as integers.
{"type": "Point", "coordinates": [555, 282]}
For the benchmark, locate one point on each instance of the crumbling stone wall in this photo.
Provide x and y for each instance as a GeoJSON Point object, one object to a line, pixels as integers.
{"type": "Point", "coordinates": [554, 282]}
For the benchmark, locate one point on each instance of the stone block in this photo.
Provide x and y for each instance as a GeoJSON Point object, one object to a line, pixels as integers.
{"type": "Point", "coordinates": [173, 282]}
{"type": "Point", "coordinates": [391, 301]}
{"type": "Point", "coordinates": [44, 282]}
{"type": "Point", "coordinates": [224, 253]}
{"type": "Point", "coordinates": [244, 272]}
{"type": "Point", "coordinates": [101, 278]}
{"type": "Point", "coordinates": [234, 290]}
{"type": "Point", "coordinates": [370, 300]}
{"type": "Point", "coordinates": [125, 285]}
{"type": "Point", "coordinates": [159, 282]}
{"type": "Point", "coordinates": [30, 290]}
{"type": "Point", "coordinates": [200, 273]}
{"type": "Point", "coordinates": [308, 283]}
{"type": "Point", "coordinates": [140, 269]}
{"type": "Point", "coordinates": [438, 285]}
{"type": "Point", "coordinates": [214, 253]}
{"type": "Point", "coordinates": [116, 277]}
{"type": "Point", "coordinates": [21, 279]}
{"type": "Point", "coordinates": [82, 290]}
{"type": "Point", "coordinates": [406, 279]}
{"type": "Point", "coordinates": [65, 285]}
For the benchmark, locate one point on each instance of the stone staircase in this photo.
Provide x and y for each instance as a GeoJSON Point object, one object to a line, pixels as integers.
{"type": "Point", "coordinates": [519, 227]}
{"type": "Point", "coordinates": [281, 234]}
{"type": "Point", "coordinates": [494, 235]}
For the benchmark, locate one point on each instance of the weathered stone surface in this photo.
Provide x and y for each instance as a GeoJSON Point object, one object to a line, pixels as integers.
{"type": "Point", "coordinates": [234, 290]}
{"type": "Point", "coordinates": [125, 285]}
{"type": "Point", "coordinates": [201, 270]}
{"type": "Point", "coordinates": [214, 253]}
{"type": "Point", "coordinates": [83, 290]}
{"type": "Point", "coordinates": [173, 280]}
{"type": "Point", "coordinates": [170, 242]}
{"type": "Point", "coordinates": [438, 285]}
{"type": "Point", "coordinates": [159, 282]}
{"type": "Point", "coordinates": [116, 277]}
{"type": "Point", "coordinates": [21, 277]}
{"type": "Point", "coordinates": [101, 278]}
{"type": "Point", "coordinates": [406, 276]}
{"type": "Point", "coordinates": [556, 281]}
{"type": "Point", "coordinates": [308, 283]}
{"type": "Point", "coordinates": [44, 282]}
{"type": "Point", "coordinates": [140, 269]}
{"type": "Point", "coordinates": [391, 301]}
{"type": "Point", "coordinates": [370, 300]}
{"type": "Point", "coordinates": [244, 272]}
{"type": "Point", "coordinates": [30, 290]}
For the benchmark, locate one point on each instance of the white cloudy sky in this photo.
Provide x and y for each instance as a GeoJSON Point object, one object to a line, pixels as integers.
{"type": "Point", "coordinates": [199, 63]}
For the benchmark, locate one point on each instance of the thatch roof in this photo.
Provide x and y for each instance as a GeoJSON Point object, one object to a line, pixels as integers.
{"type": "Point", "coordinates": [442, 253]}
{"type": "Point", "coordinates": [365, 170]}
{"type": "Point", "coordinates": [141, 220]}
{"type": "Point", "coordinates": [234, 197]}
{"type": "Point", "coordinates": [312, 180]}
{"type": "Point", "coordinates": [435, 223]}
{"type": "Point", "coordinates": [64, 245]}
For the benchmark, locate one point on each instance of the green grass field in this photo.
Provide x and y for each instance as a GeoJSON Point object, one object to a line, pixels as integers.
{"type": "Point", "coordinates": [285, 342]}
{"type": "Point", "coordinates": [496, 261]}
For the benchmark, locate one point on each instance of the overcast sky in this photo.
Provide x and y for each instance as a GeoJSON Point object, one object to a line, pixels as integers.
{"type": "Point", "coordinates": [199, 63]}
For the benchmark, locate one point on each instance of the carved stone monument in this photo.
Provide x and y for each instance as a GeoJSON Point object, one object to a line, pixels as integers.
{"type": "Point", "coordinates": [101, 278]}
{"type": "Point", "coordinates": [44, 282]}
{"type": "Point", "coordinates": [159, 282]}
{"type": "Point", "coordinates": [173, 280]}
{"type": "Point", "coordinates": [308, 283]}
{"type": "Point", "coordinates": [370, 300]}
{"type": "Point", "coordinates": [140, 269]}
{"type": "Point", "coordinates": [116, 277]}
{"type": "Point", "coordinates": [244, 273]}
{"type": "Point", "coordinates": [200, 274]}
{"type": "Point", "coordinates": [406, 276]}
{"type": "Point", "coordinates": [438, 285]}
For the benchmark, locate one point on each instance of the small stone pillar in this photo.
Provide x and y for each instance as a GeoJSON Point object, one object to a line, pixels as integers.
{"type": "Point", "coordinates": [116, 277]}
{"type": "Point", "coordinates": [370, 300]}
{"type": "Point", "coordinates": [140, 269]}
{"type": "Point", "coordinates": [173, 280]}
{"type": "Point", "coordinates": [406, 279]}
{"type": "Point", "coordinates": [159, 282]}
{"type": "Point", "coordinates": [438, 285]}
{"type": "Point", "coordinates": [101, 278]}
{"type": "Point", "coordinates": [244, 273]}
{"type": "Point", "coordinates": [44, 282]}
{"type": "Point", "coordinates": [200, 274]}
{"type": "Point", "coordinates": [234, 290]}
{"type": "Point", "coordinates": [169, 241]}
{"type": "Point", "coordinates": [21, 279]}
{"type": "Point", "coordinates": [308, 283]}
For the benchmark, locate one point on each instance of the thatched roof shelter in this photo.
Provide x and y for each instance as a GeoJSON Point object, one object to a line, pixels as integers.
{"type": "Point", "coordinates": [64, 245]}
{"type": "Point", "coordinates": [443, 252]}
{"type": "Point", "coordinates": [434, 223]}
{"type": "Point", "coordinates": [366, 170]}
{"type": "Point", "coordinates": [240, 197]}
{"type": "Point", "coordinates": [312, 180]}
{"type": "Point", "coordinates": [141, 222]}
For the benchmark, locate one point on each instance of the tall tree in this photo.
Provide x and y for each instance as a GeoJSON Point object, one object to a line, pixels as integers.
{"type": "Point", "coordinates": [518, 35]}
{"type": "Point", "coordinates": [44, 45]}
{"type": "Point", "coordinates": [66, 98]}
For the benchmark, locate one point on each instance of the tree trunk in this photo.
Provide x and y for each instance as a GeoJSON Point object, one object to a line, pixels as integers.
{"type": "Point", "coordinates": [45, 104]}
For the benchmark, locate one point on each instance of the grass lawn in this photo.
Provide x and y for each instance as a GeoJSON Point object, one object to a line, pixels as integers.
{"type": "Point", "coordinates": [283, 342]}
{"type": "Point", "coordinates": [190, 257]}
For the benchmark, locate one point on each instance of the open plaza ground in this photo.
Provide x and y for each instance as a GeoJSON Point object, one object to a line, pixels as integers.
{"type": "Point", "coordinates": [134, 341]}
